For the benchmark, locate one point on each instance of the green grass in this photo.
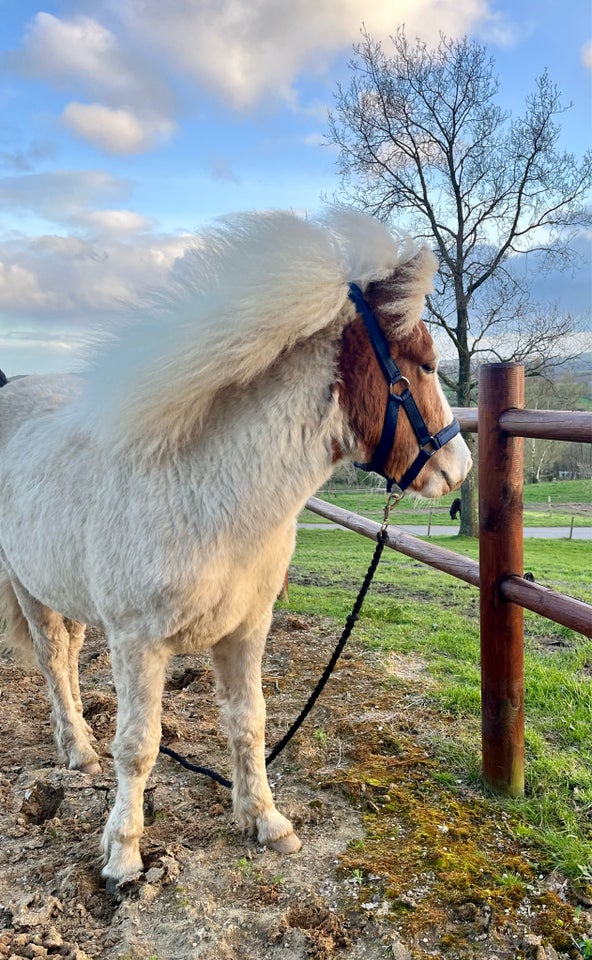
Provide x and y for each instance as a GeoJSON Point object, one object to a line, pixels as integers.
{"type": "Point", "coordinates": [417, 611]}
{"type": "Point", "coordinates": [569, 498]}
{"type": "Point", "coordinates": [560, 491]}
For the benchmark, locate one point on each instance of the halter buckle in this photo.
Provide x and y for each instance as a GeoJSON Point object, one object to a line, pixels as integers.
{"type": "Point", "coordinates": [430, 446]}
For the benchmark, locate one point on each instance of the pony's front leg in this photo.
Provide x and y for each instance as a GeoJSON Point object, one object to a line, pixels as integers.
{"type": "Point", "coordinates": [237, 667]}
{"type": "Point", "coordinates": [138, 672]}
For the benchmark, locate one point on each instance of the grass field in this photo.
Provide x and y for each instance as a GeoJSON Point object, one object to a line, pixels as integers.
{"type": "Point", "coordinates": [569, 498]}
{"type": "Point", "coordinates": [431, 619]}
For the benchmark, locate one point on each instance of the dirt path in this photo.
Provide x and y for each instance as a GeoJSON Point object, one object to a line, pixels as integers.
{"type": "Point", "coordinates": [210, 893]}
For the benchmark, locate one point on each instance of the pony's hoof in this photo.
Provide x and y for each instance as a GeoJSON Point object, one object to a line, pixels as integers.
{"type": "Point", "coordinates": [118, 887]}
{"type": "Point", "coordinates": [111, 885]}
{"type": "Point", "coordinates": [92, 768]}
{"type": "Point", "coordinates": [83, 758]}
{"type": "Point", "coordinates": [288, 844]}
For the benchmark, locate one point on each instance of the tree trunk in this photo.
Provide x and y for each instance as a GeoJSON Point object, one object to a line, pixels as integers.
{"type": "Point", "coordinates": [537, 475]}
{"type": "Point", "coordinates": [468, 501]}
{"type": "Point", "coordinates": [468, 510]}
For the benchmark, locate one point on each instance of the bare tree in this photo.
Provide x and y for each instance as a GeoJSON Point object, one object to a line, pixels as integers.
{"type": "Point", "coordinates": [424, 144]}
{"type": "Point", "coordinates": [545, 392]}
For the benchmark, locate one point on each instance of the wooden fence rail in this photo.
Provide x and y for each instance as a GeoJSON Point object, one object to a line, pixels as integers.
{"type": "Point", "coordinates": [501, 422]}
{"type": "Point", "coordinates": [569, 612]}
{"type": "Point", "coordinates": [571, 425]}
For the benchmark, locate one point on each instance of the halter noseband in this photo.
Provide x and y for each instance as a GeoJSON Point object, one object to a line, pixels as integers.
{"type": "Point", "coordinates": [428, 444]}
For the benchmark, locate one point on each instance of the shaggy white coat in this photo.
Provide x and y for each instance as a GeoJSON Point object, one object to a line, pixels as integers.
{"type": "Point", "coordinates": [155, 495]}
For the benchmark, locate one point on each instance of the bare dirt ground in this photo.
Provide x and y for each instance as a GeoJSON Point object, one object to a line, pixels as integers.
{"type": "Point", "coordinates": [358, 782]}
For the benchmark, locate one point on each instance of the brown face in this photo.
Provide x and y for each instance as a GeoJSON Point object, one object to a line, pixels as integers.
{"type": "Point", "coordinates": [363, 394]}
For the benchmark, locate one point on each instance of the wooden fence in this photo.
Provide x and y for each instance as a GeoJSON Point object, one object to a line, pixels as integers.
{"type": "Point", "coordinates": [501, 421]}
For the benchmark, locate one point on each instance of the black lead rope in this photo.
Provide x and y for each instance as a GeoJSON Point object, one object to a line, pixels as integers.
{"type": "Point", "coordinates": [349, 625]}
{"type": "Point", "coordinates": [195, 769]}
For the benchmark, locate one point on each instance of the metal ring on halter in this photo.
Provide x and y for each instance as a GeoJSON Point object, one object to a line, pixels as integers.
{"type": "Point", "coordinates": [406, 386]}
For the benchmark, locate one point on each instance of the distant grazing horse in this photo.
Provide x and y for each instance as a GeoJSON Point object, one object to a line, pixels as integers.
{"type": "Point", "coordinates": [156, 494]}
{"type": "Point", "coordinates": [455, 509]}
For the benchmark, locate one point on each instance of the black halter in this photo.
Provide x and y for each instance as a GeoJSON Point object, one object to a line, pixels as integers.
{"type": "Point", "coordinates": [428, 444]}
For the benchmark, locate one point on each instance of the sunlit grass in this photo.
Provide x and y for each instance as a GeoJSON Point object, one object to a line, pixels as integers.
{"type": "Point", "coordinates": [569, 499]}
{"type": "Point", "coordinates": [419, 612]}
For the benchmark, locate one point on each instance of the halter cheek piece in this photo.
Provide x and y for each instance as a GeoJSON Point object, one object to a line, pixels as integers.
{"type": "Point", "coordinates": [428, 444]}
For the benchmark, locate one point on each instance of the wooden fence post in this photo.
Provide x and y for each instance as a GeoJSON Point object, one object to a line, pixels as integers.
{"type": "Point", "coordinates": [501, 387]}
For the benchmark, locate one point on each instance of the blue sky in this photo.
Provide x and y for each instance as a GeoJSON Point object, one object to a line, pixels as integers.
{"type": "Point", "coordinates": [129, 123]}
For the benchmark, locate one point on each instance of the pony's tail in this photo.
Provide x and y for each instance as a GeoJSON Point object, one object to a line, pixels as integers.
{"type": "Point", "coordinates": [15, 636]}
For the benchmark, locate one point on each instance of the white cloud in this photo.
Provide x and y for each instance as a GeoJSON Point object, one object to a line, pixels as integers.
{"type": "Point", "coordinates": [20, 289]}
{"type": "Point", "coordinates": [79, 278]}
{"type": "Point", "coordinates": [79, 48]}
{"type": "Point", "coordinates": [242, 50]}
{"type": "Point", "coordinates": [245, 50]}
{"type": "Point", "coordinates": [506, 30]}
{"type": "Point", "coordinates": [57, 293]}
{"type": "Point", "coordinates": [61, 196]}
{"type": "Point", "coordinates": [116, 131]}
{"type": "Point", "coordinates": [117, 223]}
{"type": "Point", "coordinates": [30, 349]}
{"type": "Point", "coordinates": [132, 108]}
{"type": "Point", "coordinates": [112, 259]}
{"type": "Point", "coordinates": [587, 54]}
{"type": "Point", "coordinates": [82, 52]}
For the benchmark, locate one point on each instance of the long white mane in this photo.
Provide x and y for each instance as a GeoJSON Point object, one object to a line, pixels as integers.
{"type": "Point", "coordinates": [247, 290]}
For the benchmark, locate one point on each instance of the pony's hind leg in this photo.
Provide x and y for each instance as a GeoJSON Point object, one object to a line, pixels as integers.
{"type": "Point", "coordinates": [138, 672]}
{"type": "Point", "coordinates": [237, 667]}
{"type": "Point", "coordinates": [51, 642]}
{"type": "Point", "coordinates": [76, 633]}
{"type": "Point", "coordinates": [16, 636]}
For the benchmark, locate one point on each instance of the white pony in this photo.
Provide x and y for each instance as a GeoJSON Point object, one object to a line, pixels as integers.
{"type": "Point", "coordinates": [155, 495]}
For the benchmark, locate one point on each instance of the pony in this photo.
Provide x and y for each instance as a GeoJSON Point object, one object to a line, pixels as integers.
{"type": "Point", "coordinates": [455, 508]}
{"type": "Point", "coordinates": [155, 492]}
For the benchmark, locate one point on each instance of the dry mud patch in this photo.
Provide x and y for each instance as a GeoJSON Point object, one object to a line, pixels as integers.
{"type": "Point", "coordinates": [381, 873]}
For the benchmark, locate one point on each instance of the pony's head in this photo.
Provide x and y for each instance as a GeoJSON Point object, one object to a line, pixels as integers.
{"type": "Point", "coordinates": [397, 302]}
{"type": "Point", "coordinates": [249, 292]}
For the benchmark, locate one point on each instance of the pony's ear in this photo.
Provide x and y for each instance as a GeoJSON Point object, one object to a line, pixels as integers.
{"type": "Point", "coordinates": [399, 300]}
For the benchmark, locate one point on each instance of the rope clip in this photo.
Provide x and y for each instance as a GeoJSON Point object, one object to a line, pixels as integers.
{"type": "Point", "coordinates": [395, 494]}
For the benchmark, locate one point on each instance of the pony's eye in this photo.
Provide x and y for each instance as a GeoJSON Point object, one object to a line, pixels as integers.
{"type": "Point", "coordinates": [428, 367]}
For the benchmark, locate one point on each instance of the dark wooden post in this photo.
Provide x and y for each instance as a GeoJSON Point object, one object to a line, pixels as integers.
{"type": "Point", "coordinates": [501, 387]}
